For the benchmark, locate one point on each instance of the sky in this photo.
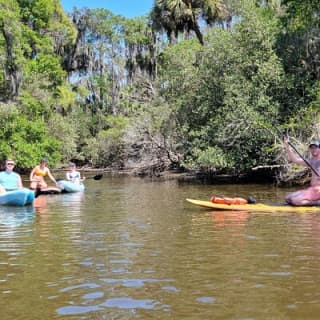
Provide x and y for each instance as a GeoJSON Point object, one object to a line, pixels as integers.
{"type": "Point", "coordinates": [127, 8]}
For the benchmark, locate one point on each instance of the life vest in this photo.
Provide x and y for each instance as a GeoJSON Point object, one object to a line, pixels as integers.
{"type": "Point", "coordinates": [226, 200]}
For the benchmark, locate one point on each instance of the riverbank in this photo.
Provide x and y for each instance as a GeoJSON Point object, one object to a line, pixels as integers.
{"type": "Point", "coordinates": [255, 175]}
{"type": "Point", "coordinates": [260, 175]}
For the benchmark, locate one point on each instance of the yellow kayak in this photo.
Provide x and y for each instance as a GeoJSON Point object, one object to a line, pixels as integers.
{"type": "Point", "coordinates": [257, 207]}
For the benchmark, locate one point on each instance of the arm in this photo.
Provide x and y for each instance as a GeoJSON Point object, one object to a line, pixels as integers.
{"type": "Point", "coordinates": [2, 189]}
{"type": "Point", "coordinates": [32, 173]}
{"type": "Point", "coordinates": [51, 177]}
{"type": "Point", "coordinates": [20, 184]}
{"type": "Point", "coordinates": [79, 176]}
{"type": "Point", "coordinates": [292, 156]}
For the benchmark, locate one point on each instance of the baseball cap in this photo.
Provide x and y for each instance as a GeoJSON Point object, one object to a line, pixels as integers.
{"type": "Point", "coordinates": [315, 143]}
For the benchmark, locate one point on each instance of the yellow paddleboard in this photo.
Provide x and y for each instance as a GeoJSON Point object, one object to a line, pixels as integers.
{"type": "Point", "coordinates": [257, 207]}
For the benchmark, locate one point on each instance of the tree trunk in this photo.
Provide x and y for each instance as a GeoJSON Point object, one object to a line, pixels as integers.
{"type": "Point", "coordinates": [12, 71]}
{"type": "Point", "coordinates": [196, 29]}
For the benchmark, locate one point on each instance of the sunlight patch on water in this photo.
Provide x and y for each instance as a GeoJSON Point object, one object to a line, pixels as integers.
{"type": "Point", "coordinates": [76, 310]}
{"type": "Point", "coordinates": [120, 303]}
{"type": "Point", "coordinates": [129, 303]}
{"type": "Point", "coordinates": [93, 295]}
{"type": "Point", "coordinates": [84, 285]}
{"type": "Point", "coordinates": [206, 299]}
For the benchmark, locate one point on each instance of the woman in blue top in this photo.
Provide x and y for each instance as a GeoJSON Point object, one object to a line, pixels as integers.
{"type": "Point", "coordinates": [9, 180]}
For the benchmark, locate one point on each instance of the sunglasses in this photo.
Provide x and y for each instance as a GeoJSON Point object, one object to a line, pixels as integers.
{"type": "Point", "coordinates": [10, 164]}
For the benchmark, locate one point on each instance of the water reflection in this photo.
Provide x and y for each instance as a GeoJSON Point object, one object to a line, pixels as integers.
{"type": "Point", "coordinates": [43, 202]}
{"type": "Point", "coordinates": [45, 205]}
{"type": "Point", "coordinates": [135, 249]}
{"type": "Point", "coordinates": [230, 218]}
{"type": "Point", "coordinates": [16, 216]}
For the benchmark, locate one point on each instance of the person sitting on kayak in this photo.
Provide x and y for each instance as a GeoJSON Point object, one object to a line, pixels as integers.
{"type": "Point", "coordinates": [9, 180]}
{"type": "Point", "coordinates": [37, 176]}
{"type": "Point", "coordinates": [311, 195]}
{"type": "Point", "coordinates": [74, 175]}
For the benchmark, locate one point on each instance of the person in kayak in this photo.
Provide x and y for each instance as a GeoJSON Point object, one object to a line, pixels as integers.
{"type": "Point", "coordinates": [311, 195]}
{"type": "Point", "coordinates": [74, 175]}
{"type": "Point", "coordinates": [9, 180]}
{"type": "Point", "coordinates": [37, 176]}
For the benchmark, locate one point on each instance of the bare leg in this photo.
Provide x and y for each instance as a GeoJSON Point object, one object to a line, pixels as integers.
{"type": "Point", "coordinates": [300, 198]}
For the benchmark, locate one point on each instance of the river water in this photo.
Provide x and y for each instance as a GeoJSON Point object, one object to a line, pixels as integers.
{"type": "Point", "coordinates": [128, 248]}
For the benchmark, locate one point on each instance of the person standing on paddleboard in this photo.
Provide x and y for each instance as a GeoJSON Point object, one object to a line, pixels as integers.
{"type": "Point", "coordinates": [311, 195]}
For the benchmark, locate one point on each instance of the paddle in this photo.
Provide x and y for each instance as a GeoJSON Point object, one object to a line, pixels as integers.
{"type": "Point", "coordinates": [96, 177]}
{"type": "Point", "coordinates": [298, 153]}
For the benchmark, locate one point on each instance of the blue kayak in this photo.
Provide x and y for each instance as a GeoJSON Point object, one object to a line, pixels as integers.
{"type": "Point", "coordinates": [19, 197]}
{"type": "Point", "coordinates": [69, 186]}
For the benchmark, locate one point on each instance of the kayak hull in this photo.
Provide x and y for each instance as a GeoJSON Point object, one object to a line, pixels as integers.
{"type": "Point", "coordinates": [69, 186]}
{"type": "Point", "coordinates": [257, 207]}
{"type": "Point", "coordinates": [18, 198]}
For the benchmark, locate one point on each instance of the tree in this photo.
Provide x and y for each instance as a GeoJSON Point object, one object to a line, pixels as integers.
{"type": "Point", "coordinates": [11, 35]}
{"type": "Point", "coordinates": [183, 16]}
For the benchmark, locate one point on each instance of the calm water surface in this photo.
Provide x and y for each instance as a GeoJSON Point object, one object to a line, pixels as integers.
{"type": "Point", "coordinates": [134, 249]}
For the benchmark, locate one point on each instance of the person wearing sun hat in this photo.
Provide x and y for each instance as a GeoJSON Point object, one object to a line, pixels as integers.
{"type": "Point", "coordinates": [9, 180]}
{"type": "Point", "coordinates": [310, 195]}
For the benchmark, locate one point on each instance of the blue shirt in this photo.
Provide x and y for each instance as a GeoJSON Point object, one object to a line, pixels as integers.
{"type": "Point", "coordinates": [9, 180]}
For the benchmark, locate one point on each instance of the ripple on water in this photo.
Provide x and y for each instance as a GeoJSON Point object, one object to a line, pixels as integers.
{"type": "Point", "coordinates": [206, 299]}
{"type": "Point", "coordinates": [120, 303]}
{"type": "Point", "coordinates": [93, 295]}
{"type": "Point", "coordinates": [80, 286]}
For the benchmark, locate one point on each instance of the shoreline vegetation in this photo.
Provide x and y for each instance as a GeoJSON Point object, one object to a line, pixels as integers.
{"type": "Point", "coordinates": [263, 174]}
{"type": "Point", "coordinates": [203, 92]}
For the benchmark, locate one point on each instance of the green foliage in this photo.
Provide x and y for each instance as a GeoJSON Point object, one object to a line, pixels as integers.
{"type": "Point", "coordinates": [35, 105]}
{"type": "Point", "coordinates": [47, 27]}
{"type": "Point", "coordinates": [108, 147]}
{"type": "Point", "coordinates": [179, 16]}
{"type": "Point", "coordinates": [212, 159]}
{"type": "Point", "coordinates": [212, 100]}
{"type": "Point", "coordinates": [301, 14]}
{"type": "Point", "coordinates": [220, 93]}
{"type": "Point", "coordinates": [62, 129]}
{"type": "Point", "coordinates": [24, 140]}
{"type": "Point", "coordinates": [305, 122]}
{"type": "Point", "coordinates": [49, 67]}
{"type": "Point", "coordinates": [179, 79]}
